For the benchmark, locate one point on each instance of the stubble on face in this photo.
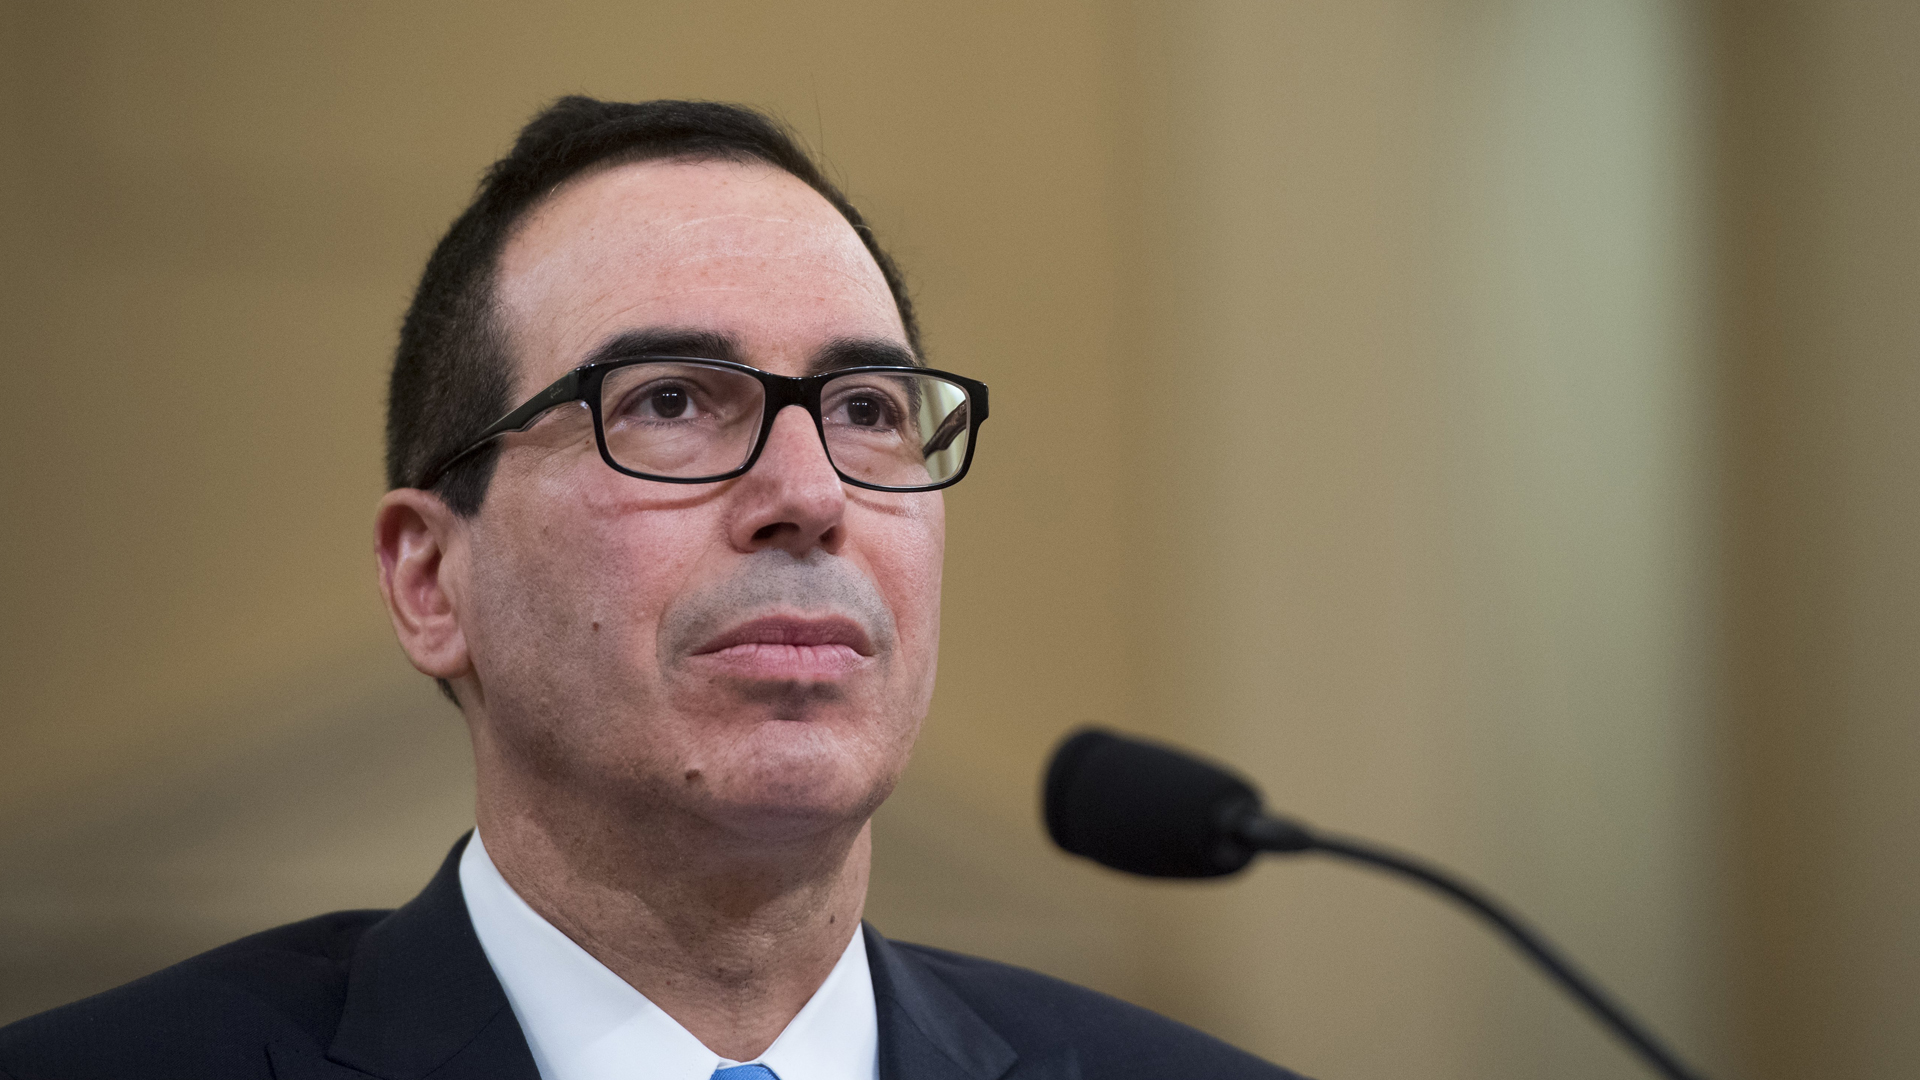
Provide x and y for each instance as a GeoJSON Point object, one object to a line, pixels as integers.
{"type": "Point", "coordinates": [769, 583]}
{"type": "Point", "coordinates": [778, 736]}
{"type": "Point", "coordinates": [631, 713]}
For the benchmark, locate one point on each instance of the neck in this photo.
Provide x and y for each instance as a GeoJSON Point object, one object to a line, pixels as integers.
{"type": "Point", "coordinates": [727, 936]}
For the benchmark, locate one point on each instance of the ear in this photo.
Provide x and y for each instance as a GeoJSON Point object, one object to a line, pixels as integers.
{"type": "Point", "coordinates": [414, 533]}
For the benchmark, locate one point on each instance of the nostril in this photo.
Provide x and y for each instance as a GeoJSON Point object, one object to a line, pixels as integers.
{"type": "Point", "coordinates": [768, 532]}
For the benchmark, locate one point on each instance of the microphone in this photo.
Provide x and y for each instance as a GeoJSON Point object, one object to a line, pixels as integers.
{"type": "Point", "coordinates": [1152, 810]}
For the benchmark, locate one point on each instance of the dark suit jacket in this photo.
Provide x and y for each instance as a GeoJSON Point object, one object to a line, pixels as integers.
{"type": "Point", "coordinates": [408, 995]}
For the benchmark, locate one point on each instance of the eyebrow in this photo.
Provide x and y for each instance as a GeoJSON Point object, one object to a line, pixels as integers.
{"type": "Point", "coordinates": [667, 341]}
{"type": "Point", "coordinates": [712, 345]}
{"type": "Point", "coordinates": [861, 352]}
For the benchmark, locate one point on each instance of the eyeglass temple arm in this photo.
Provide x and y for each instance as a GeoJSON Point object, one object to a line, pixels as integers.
{"type": "Point", "coordinates": [949, 430]}
{"type": "Point", "coordinates": [564, 389]}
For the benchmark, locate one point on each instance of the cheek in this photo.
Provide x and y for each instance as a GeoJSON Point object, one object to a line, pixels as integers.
{"type": "Point", "coordinates": [533, 605]}
{"type": "Point", "coordinates": [570, 590]}
{"type": "Point", "coordinates": [906, 558]}
{"type": "Point", "coordinates": [630, 569]}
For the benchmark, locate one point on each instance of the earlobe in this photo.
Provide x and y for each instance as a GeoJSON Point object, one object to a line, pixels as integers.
{"type": "Point", "coordinates": [413, 535]}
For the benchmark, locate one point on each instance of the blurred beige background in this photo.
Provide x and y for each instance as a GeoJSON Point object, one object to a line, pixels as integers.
{"type": "Point", "coordinates": [1487, 423]}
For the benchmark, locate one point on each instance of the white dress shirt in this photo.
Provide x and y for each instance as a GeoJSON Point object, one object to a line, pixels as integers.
{"type": "Point", "coordinates": [583, 1022]}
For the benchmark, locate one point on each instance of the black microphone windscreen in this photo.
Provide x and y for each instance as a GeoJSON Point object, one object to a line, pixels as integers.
{"type": "Point", "coordinates": [1145, 808]}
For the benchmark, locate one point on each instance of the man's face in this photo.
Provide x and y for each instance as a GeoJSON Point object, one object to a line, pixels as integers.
{"type": "Point", "coordinates": [757, 652]}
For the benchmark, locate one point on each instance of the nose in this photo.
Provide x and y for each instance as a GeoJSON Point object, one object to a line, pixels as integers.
{"type": "Point", "coordinates": [791, 499]}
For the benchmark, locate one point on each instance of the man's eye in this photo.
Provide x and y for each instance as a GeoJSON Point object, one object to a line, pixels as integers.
{"type": "Point", "coordinates": [661, 401]}
{"type": "Point", "coordinates": [668, 402]}
{"type": "Point", "coordinates": [866, 410]}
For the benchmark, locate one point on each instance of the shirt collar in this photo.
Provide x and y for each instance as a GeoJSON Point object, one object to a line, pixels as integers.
{"type": "Point", "coordinates": [583, 1022]}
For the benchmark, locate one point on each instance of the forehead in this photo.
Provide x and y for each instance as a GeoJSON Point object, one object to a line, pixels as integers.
{"type": "Point", "coordinates": [745, 250]}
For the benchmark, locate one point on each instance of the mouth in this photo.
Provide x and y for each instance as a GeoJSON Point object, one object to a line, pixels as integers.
{"type": "Point", "coordinates": [790, 648]}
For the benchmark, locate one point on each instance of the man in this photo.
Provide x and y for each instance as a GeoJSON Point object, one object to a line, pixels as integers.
{"type": "Point", "coordinates": [665, 523]}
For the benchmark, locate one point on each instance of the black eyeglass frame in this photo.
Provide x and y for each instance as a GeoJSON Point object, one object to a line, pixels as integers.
{"type": "Point", "coordinates": [583, 384]}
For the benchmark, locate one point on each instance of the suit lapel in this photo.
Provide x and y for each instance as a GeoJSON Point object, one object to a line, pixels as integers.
{"type": "Point", "coordinates": [422, 999]}
{"type": "Point", "coordinates": [928, 1033]}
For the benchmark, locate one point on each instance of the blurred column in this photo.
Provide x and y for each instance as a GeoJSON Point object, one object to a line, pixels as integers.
{"type": "Point", "coordinates": [1820, 165]}
{"type": "Point", "coordinates": [1422, 456]}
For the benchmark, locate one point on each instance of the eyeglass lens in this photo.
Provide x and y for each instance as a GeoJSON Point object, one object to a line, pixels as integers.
{"type": "Point", "coordinates": [686, 421]}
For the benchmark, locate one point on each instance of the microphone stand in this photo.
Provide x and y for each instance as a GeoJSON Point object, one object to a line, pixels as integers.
{"type": "Point", "coordinates": [1263, 832]}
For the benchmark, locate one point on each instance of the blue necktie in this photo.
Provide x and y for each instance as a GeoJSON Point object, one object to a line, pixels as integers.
{"type": "Point", "coordinates": [745, 1072]}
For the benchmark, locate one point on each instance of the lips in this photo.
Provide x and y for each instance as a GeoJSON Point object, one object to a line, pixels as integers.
{"type": "Point", "coordinates": [786, 647]}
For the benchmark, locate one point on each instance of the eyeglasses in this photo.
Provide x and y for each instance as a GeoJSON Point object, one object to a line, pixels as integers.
{"type": "Point", "coordinates": [685, 420]}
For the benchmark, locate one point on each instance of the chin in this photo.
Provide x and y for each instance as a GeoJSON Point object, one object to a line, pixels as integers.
{"type": "Point", "coordinates": [791, 778]}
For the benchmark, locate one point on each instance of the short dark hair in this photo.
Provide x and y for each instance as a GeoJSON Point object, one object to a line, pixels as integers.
{"type": "Point", "coordinates": [452, 375]}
